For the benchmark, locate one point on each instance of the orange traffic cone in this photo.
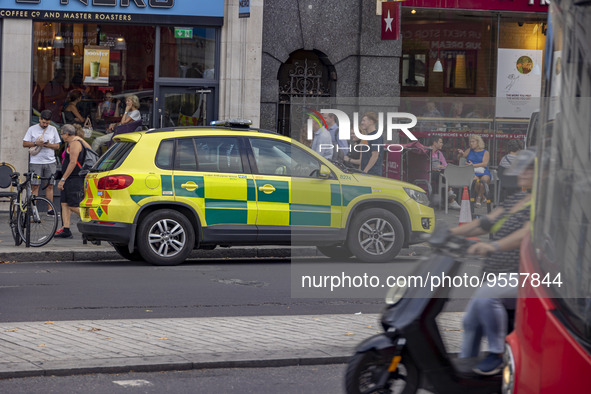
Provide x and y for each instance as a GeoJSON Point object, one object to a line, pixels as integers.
{"type": "Point", "coordinates": [465, 212]}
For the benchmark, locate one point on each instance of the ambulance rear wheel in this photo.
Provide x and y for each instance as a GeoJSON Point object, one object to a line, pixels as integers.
{"type": "Point", "coordinates": [335, 251]}
{"type": "Point", "coordinates": [166, 237]}
{"type": "Point", "coordinates": [375, 236]}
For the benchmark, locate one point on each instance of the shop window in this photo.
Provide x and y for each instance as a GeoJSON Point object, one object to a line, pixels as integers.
{"type": "Point", "coordinates": [459, 72]}
{"type": "Point", "coordinates": [188, 52]}
{"type": "Point", "coordinates": [414, 71]}
{"type": "Point", "coordinates": [98, 60]}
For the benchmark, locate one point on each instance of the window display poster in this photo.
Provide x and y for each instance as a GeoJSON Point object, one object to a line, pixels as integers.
{"type": "Point", "coordinates": [519, 82]}
{"type": "Point", "coordinates": [96, 65]}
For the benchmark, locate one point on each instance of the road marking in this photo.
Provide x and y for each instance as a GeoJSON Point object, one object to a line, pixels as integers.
{"type": "Point", "coordinates": [132, 383]}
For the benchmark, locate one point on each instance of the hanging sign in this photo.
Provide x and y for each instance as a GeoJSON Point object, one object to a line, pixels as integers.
{"type": "Point", "coordinates": [96, 65]}
{"type": "Point", "coordinates": [244, 9]}
{"type": "Point", "coordinates": [390, 20]}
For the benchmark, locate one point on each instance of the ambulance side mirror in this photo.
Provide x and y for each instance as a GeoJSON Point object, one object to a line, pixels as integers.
{"type": "Point", "coordinates": [324, 172]}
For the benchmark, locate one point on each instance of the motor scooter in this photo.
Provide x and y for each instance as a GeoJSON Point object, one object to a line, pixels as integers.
{"type": "Point", "coordinates": [410, 353]}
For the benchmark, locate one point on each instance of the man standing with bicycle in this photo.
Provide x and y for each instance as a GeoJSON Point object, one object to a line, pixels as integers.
{"type": "Point", "coordinates": [42, 140]}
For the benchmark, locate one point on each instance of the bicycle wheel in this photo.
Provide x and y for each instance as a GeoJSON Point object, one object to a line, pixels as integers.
{"type": "Point", "coordinates": [14, 211]}
{"type": "Point", "coordinates": [42, 225]}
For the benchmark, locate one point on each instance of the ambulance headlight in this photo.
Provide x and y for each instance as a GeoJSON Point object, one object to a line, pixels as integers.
{"type": "Point", "coordinates": [420, 197]}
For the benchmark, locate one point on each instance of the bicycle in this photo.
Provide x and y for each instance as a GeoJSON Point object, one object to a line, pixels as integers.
{"type": "Point", "coordinates": [27, 221]}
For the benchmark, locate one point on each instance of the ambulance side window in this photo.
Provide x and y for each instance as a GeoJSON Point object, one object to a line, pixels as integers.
{"type": "Point", "coordinates": [185, 155]}
{"type": "Point", "coordinates": [164, 155]}
{"type": "Point", "coordinates": [281, 158]}
{"type": "Point", "coordinates": [218, 154]}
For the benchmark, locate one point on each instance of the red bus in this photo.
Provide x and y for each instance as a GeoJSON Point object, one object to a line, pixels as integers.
{"type": "Point", "coordinates": [550, 349]}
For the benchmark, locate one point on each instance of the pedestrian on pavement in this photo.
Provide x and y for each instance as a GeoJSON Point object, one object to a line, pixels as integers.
{"type": "Point", "coordinates": [353, 157]}
{"type": "Point", "coordinates": [42, 140]}
{"type": "Point", "coordinates": [486, 313]}
{"type": "Point", "coordinates": [340, 146]}
{"type": "Point", "coordinates": [321, 141]}
{"type": "Point", "coordinates": [372, 159]}
{"type": "Point", "coordinates": [71, 184]}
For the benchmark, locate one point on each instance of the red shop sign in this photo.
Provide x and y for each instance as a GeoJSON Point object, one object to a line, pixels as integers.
{"type": "Point", "coordinates": [491, 5]}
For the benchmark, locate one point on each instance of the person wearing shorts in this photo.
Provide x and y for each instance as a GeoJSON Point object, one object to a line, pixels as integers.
{"type": "Point", "coordinates": [43, 163]}
{"type": "Point", "coordinates": [72, 183]}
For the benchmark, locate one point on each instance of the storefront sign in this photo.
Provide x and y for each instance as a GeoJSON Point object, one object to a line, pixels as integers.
{"type": "Point", "coordinates": [110, 10]}
{"type": "Point", "coordinates": [466, 134]}
{"type": "Point", "coordinates": [519, 82]}
{"type": "Point", "coordinates": [444, 37]}
{"type": "Point", "coordinates": [96, 66]}
{"type": "Point", "coordinates": [489, 5]}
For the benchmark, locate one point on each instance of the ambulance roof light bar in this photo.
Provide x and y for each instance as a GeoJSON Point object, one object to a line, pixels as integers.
{"type": "Point", "coordinates": [233, 123]}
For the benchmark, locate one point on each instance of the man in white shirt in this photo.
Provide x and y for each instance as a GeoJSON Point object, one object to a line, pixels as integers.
{"type": "Point", "coordinates": [322, 143]}
{"type": "Point", "coordinates": [46, 139]}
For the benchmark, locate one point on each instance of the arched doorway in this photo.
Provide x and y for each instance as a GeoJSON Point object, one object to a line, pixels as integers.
{"type": "Point", "coordinates": [306, 79]}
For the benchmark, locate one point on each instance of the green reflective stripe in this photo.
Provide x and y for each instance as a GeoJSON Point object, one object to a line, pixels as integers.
{"type": "Point", "coordinates": [166, 181]}
{"type": "Point", "coordinates": [139, 197]}
{"type": "Point", "coordinates": [281, 193]}
{"type": "Point", "coordinates": [335, 194]}
{"type": "Point", "coordinates": [182, 179]}
{"type": "Point", "coordinates": [309, 208]}
{"type": "Point", "coordinates": [352, 192]}
{"type": "Point", "coordinates": [251, 190]}
{"type": "Point", "coordinates": [309, 219]}
{"type": "Point", "coordinates": [226, 204]}
{"type": "Point", "coordinates": [226, 216]}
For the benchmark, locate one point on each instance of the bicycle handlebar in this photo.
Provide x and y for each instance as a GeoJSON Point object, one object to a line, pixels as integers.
{"type": "Point", "coordinates": [31, 175]}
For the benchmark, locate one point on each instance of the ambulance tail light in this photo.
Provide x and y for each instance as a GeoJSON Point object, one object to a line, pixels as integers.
{"type": "Point", "coordinates": [114, 182]}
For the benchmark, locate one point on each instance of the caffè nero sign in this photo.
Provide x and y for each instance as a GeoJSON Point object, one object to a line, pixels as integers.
{"type": "Point", "coordinates": [103, 10]}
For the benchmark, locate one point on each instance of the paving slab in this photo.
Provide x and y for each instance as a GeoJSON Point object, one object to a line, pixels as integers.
{"type": "Point", "coordinates": [114, 346]}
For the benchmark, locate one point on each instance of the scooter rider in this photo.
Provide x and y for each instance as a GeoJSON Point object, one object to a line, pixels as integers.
{"type": "Point", "coordinates": [486, 313]}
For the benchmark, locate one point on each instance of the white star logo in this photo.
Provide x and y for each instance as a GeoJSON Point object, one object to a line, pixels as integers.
{"type": "Point", "coordinates": [388, 22]}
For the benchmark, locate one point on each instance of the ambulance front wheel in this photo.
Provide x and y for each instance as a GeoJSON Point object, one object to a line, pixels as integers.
{"type": "Point", "coordinates": [375, 236]}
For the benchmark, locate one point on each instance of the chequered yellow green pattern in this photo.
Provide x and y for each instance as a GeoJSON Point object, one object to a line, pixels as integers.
{"type": "Point", "coordinates": [294, 202]}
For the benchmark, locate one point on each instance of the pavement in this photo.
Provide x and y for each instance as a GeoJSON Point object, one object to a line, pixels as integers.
{"type": "Point", "coordinates": [41, 348]}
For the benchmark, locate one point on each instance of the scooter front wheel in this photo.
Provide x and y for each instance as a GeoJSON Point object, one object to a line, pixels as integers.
{"type": "Point", "coordinates": [367, 372]}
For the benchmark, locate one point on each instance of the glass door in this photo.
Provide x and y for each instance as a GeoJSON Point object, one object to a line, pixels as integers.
{"type": "Point", "coordinates": [181, 106]}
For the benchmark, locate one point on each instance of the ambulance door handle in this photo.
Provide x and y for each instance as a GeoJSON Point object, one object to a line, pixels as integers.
{"type": "Point", "coordinates": [267, 189]}
{"type": "Point", "coordinates": [190, 186]}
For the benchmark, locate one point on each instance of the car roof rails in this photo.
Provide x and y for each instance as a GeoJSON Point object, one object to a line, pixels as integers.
{"type": "Point", "coordinates": [233, 123]}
